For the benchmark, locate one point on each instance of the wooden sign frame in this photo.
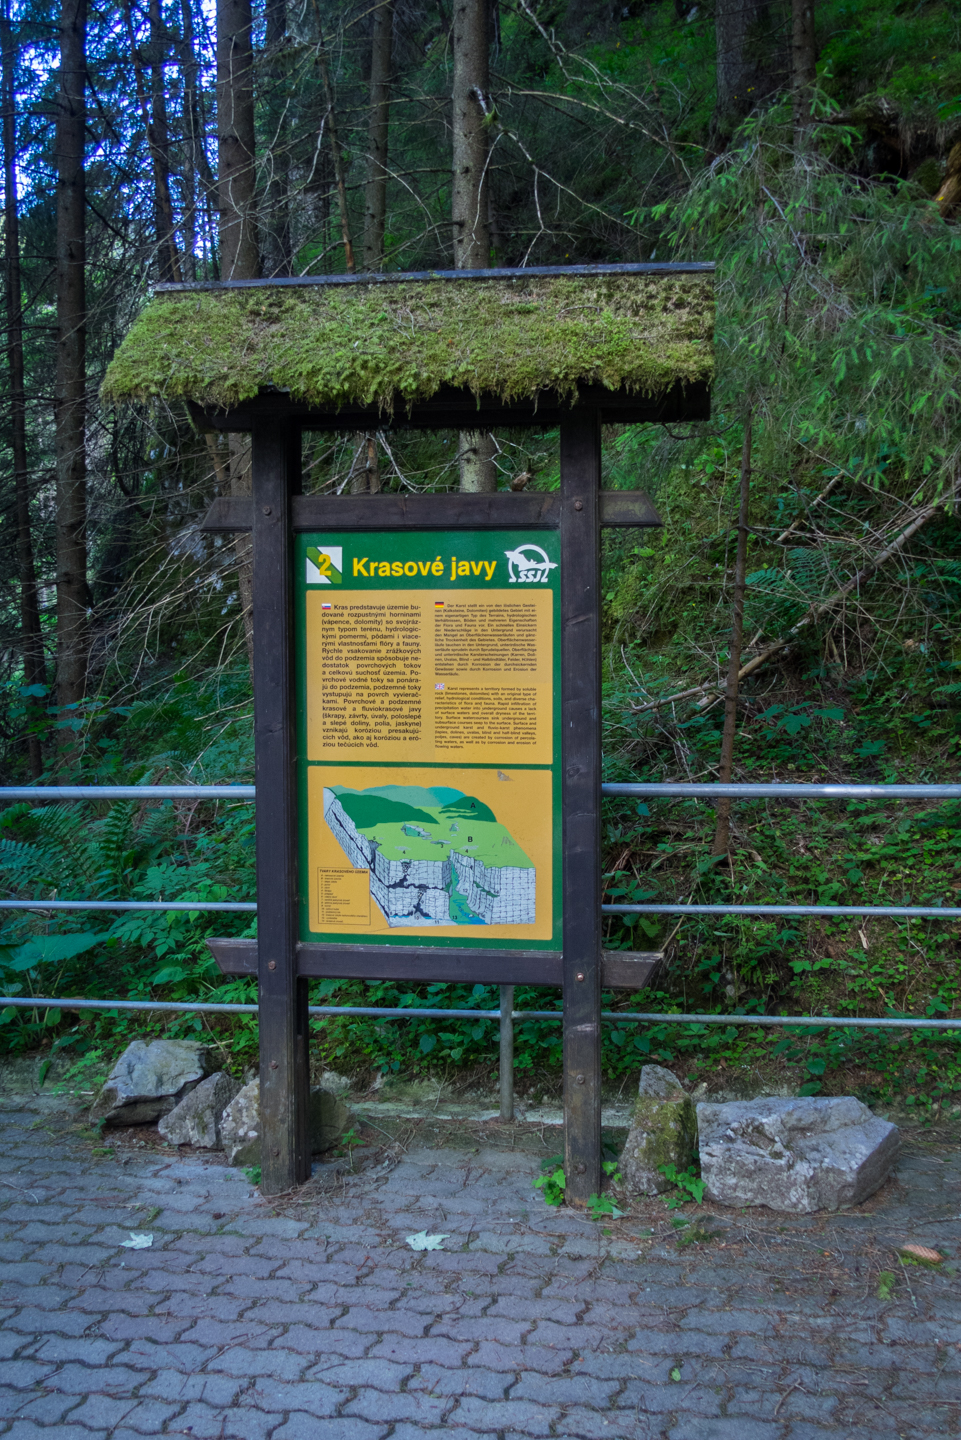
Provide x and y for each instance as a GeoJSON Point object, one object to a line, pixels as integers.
{"type": "Point", "coordinates": [273, 514]}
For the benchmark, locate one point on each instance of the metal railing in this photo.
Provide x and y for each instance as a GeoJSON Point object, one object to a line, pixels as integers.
{"type": "Point", "coordinates": [506, 1015]}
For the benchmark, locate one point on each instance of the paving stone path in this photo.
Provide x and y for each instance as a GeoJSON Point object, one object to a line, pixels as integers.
{"type": "Point", "coordinates": [312, 1319]}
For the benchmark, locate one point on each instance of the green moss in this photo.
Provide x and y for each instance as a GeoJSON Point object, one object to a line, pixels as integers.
{"type": "Point", "coordinates": [374, 344]}
{"type": "Point", "coordinates": [663, 1132]}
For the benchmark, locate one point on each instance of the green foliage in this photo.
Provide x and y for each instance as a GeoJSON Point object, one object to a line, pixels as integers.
{"type": "Point", "coordinates": [887, 1280]}
{"type": "Point", "coordinates": [687, 1183]}
{"type": "Point", "coordinates": [552, 1182]}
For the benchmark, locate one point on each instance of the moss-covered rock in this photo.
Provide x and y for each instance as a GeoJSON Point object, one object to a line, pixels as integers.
{"type": "Point", "coordinates": [388, 342]}
{"type": "Point", "coordinates": [663, 1132]}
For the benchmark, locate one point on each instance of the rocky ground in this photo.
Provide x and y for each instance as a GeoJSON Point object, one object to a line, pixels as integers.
{"type": "Point", "coordinates": [312, 1316]}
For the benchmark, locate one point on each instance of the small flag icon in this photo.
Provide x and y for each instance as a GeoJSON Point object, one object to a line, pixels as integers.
{"type": "Point", "coordinates": [326, 605]}
{"type": "Point", "coordinates": [438, 604]}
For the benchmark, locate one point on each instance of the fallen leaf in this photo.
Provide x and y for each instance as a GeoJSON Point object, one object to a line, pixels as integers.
{"type": "Point", "coordinates": [423, 1241]}
{"type": "Point", "coordinates": [137, 1242]}
{"type": "Point", "coordinates": [921, 1252]}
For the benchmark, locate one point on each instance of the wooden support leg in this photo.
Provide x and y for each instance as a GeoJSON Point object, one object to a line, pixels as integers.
{"type": "Point", "coordinates": [581, 760]}
{"type": "Point", "coordinates": [282, 997]}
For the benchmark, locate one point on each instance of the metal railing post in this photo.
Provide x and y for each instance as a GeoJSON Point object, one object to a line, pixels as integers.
{"type": "Point", "coordinates": [507, 1052]}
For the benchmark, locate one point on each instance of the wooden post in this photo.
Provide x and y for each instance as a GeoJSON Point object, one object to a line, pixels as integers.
{"type": "Point", "coordinates": [282, 997]}
{"type": "Point", "coordinates": [581, 760]}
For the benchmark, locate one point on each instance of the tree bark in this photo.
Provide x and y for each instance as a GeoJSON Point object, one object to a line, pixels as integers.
{"type": "Point", "coordinates": [375, 196]}
{"type": "Point", "coordinates": [197, 166]}
{"type": "Point", "coordinates": [70, 376]}
{"type": "Point", "coordinates": [34, 669]}
{"type": "Point", "coordinates": [278, 255]}
{"type": "Point", "coordinates": [722, 832]}
{"type": "Point", "coordinates": [158, 134]}
{"type": "Point", "coordinates": [239, 253]}
{"type": "Point", "coordinates": [340, 179]}
{"type": "Point", "coordinates": [153, 110]}
{"type": "Point", "coordinates": [470, 209]}
{"type": "Point", "coordinates": [804, 54]}
{"type": "Point", "coordinates": [752, 60]}
{"type": "Point", "coordinates": [239, 250]}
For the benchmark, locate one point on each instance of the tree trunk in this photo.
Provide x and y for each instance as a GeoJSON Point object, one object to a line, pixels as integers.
{"type": "Point", "coordinates": [368, 479]}
{"type": "Point", "coordinates": [804, 54]}
{"type": "Point", "coordinates": [752, 60]}
{"type": "Point", "coordinates": [277, 243]}
{"type": "Point", "coordinates": [722, 833]}
{"type": "Point", "coordinates": [34, 670]}
{"type": "Point", "coordinates": [190, 129]}
{"type": "Point", "coordinates": [70, 376]}
{"type": "Point", "coordinates": [153, 112]}
{"type": "Point", "coordinates": [239, 254]}
{"type": "Point", "coordinates": [197, 165]}
{"type": "Point", "coordinates": [470, 210]}
{"type": "Point", "coordinates": [340, 178]}
{"type": "Point", "coordinates": [375, 197]}
{"type": "Point", "coordinates": [168, 259]}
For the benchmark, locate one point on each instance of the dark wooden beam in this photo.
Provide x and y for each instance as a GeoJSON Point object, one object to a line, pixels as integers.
{"type": "Point", "coordinates": [581, 791]}
{"type": "Point", "coordinates": [537, 510]}
{"type": "Point", "coordinates": [621, 969]}
{"type": "Point", "coordinates": [454, 409]}
{"type": "Point", "coordinates": [284, 1082]}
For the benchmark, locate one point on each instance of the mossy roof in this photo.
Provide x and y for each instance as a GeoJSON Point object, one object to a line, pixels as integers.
{"type": "Point", "coordinates": [402, 338]}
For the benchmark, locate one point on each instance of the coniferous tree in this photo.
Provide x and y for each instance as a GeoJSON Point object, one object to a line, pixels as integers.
{"type": "Point", "coordinates": [34, 667]}
{"type": "Point", "coordinates": [470, 44]}
{"type": "Point", "coordinates": [71, 374]}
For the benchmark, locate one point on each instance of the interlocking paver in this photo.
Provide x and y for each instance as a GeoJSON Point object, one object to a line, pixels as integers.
{"type": "Point", "coordinates": [306, 1427]}
{"type": "Point", "coordinates": [310, 1319]}
{"type": "Point", "coordinates": [208, 1422]}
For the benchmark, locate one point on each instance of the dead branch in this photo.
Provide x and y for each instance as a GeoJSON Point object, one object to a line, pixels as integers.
{"type": "Point", "coordinates": [709, 689]}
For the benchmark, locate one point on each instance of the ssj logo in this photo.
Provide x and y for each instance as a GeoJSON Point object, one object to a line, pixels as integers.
{"type": "Point", "coordinates": [325, 564]}
{"type": "Point", "coordinates": [528, 565]}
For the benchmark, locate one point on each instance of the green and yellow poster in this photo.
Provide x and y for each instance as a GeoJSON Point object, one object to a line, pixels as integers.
{"type": "Point", "coordinates": [429, 708]}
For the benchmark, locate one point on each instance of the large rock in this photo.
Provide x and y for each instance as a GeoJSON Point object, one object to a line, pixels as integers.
{"type": "Point", "coordinates": [794, 1155]}
{"type": "Point", "coordinates": [149, 1079]}
{"type": "Point", "coordinates": [663, 1132]}
{"type": "Point", "coordinates": [196, 1120]}
{"type": "Point", "coordinates": [240, 1126]}
{"type": "Point", "coordinates": [327, 1119]}
{"type": "Point", "coordinates": [659, 1083]}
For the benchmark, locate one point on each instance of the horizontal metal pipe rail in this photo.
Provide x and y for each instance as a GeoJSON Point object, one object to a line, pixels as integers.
{"type": "Point", "coordinates": [246, 905]}
{"type": "Point", "coordinates": [682, 790]}
{"type": "Point", "coordinates": [849, 1022]}
{"type": "Point", "coordinates": [917, 912]}
{"type": "Point", "coordinates": [127, 792]}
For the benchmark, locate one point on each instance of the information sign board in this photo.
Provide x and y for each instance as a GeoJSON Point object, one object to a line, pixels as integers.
{"type": "Point", "coordinates": [429, 745]}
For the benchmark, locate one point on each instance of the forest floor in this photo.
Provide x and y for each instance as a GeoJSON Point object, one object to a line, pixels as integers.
{"type": "Point", "coordinates": [310, 1315]}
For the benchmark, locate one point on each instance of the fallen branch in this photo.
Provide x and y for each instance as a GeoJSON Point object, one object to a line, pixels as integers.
{"type": "Point", "coordinates": [708, 691]}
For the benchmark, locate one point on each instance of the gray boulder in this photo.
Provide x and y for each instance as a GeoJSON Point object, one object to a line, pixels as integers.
{"type": "Point", "coordinates": [240, 1126]}
{"type": "Point", "coordinates": [659, 1083]}
{"type": "Point", "coordinates": [794, 1155]}
{"type": "Point", "coordinates": [149, 1079]}
{"type": "Point", "coordinates": [196, 1120]}
{"type": "Point", "coordinates": [327, 1119]}
{"type": "Point", "coordinates": [663, 1132]}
